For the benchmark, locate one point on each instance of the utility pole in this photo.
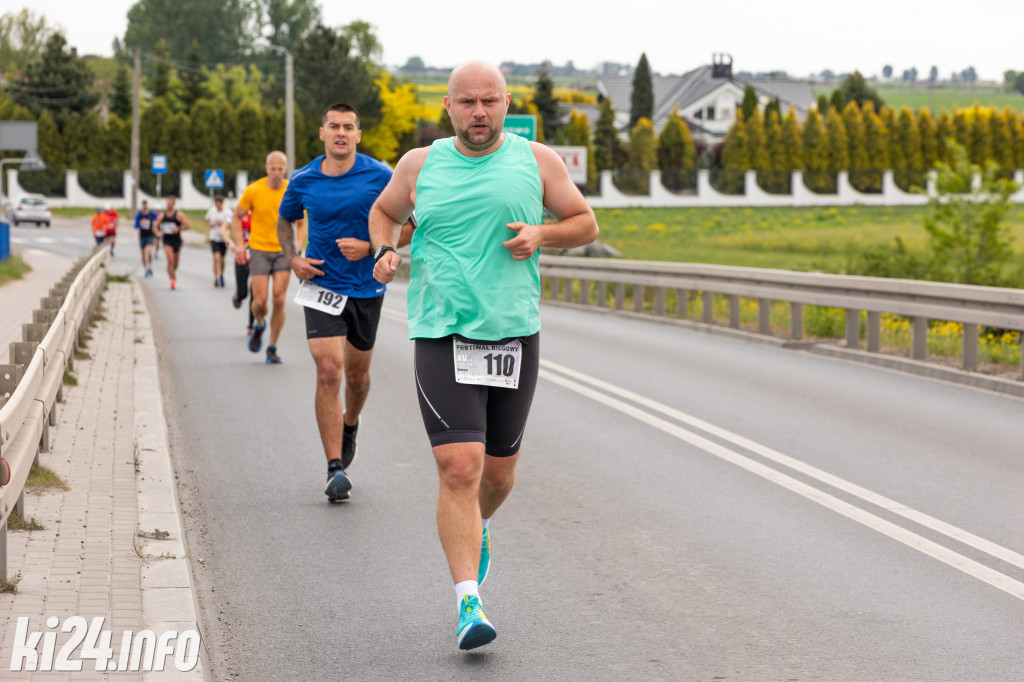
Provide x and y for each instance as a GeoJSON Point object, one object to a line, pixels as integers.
{"type": "Point", "coordinates": [136, 77]}
{"type": "Point", "coordinates": [289, 111]}
{"type": "Point", "coordinates": [289, 102]}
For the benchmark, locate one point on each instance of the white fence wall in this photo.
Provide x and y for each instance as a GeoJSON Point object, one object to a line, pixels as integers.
{"type": "Point", "coordinates": [74, 196]}
{"type": "Point", "coordinates": [706, 195]}
{"type": "Point", "coordinates": [610, 197]}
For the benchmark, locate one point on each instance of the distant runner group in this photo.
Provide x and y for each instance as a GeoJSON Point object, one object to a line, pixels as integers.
{"type": "Point", "coordinates": [470, 207]}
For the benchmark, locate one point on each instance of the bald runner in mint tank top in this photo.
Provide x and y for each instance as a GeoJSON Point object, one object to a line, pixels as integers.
{"type": "Point", "coordinates": [458, 285]}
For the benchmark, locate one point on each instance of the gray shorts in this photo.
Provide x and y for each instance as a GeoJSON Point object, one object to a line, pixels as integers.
{"type": "Point", "coordinates": [267, 263]}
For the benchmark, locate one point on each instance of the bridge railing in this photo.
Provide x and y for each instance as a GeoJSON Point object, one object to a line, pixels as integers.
{"type": "Point", "coordinates": [31, 385]}
{"type": "Point", "coordinates": [604, 282]}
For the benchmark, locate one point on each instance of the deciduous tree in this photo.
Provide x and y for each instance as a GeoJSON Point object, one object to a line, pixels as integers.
{"type": "Point", "coordinates": [969, 243]}
{"type": "Point", "coordinates": [856, 89]}
{"type": "Point", "coordinates": [224, 28]}
{"type": "Point", "coordinates": [23, 35]}
{"type": "Point", "coordinates": [400, 112]}
{"type": "Point", "coordinates": [328, 68]}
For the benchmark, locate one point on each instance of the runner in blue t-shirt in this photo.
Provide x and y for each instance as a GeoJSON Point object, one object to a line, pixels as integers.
{"type": "Point", "coordinates": [341, 300]}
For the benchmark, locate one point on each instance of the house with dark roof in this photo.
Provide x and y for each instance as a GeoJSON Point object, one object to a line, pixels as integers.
{"type": "Point", "coordinates": [707, 97]}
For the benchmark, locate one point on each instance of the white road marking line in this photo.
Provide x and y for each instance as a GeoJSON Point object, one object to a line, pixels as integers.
{"type": "Point", "coordinates": [898, 533]}
{"type": "Point", "coordinates": [907, 537]}
{"type": "Point", "coordinates": [920, 518]}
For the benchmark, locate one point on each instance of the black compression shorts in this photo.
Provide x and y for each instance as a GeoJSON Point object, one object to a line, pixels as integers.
{"type": "Point", "coordinates": [469, 413]}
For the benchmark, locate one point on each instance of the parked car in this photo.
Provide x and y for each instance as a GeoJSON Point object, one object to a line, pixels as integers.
{"type": "Point", "coordinates": [30, 208]}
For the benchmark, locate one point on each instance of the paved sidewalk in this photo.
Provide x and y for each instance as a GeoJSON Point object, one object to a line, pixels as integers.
{"type": "Point", "coordinates": [112, 544]}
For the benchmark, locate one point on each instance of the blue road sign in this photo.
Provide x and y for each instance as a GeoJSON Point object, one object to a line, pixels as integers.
{"type": "Point", "coordinates": [214, 179]}
{"type": "Point", "coordinates": [159, 163]}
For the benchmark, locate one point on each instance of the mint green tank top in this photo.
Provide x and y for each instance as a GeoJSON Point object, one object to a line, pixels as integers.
{"type": "Point", "coordinates": [463, 281]}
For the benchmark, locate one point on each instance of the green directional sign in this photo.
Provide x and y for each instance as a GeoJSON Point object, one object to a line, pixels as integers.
{"type": "Point", "coordinates": [523, 125]}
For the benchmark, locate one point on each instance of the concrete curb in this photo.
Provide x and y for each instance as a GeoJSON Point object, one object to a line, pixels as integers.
{"type": "Point", "coordinates": [168, 594]}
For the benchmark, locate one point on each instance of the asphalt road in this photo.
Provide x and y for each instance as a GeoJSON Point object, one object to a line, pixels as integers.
{"type": "Point", "coordinates": [688, 507]}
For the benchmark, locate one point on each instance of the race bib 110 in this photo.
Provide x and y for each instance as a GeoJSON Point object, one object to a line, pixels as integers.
{"type": "Point", "coordinates": [490, 364]}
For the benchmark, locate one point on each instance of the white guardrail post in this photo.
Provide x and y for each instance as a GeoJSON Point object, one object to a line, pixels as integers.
{"type": "Point", "coordinates": [32, 384]}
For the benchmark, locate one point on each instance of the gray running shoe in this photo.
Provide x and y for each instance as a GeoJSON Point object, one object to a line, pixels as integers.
{"type": "Point", "coordinates": [338, 485]}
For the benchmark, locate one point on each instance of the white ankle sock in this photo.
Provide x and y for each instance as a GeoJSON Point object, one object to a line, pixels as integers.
{"type": "Point", "coordinates": [485, 522]}
{"type": "Point", "coordinates": [470, 587]}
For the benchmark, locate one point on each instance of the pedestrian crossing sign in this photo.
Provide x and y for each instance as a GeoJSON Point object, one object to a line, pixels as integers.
{"type": "Point", "coordinates": [214, 179]}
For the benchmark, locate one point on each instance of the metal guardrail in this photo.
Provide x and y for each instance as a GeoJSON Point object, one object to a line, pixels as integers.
{"type": "Point", "coordinates": [32, 384]}
{"type": "Point", "coordinates": [586, 281]}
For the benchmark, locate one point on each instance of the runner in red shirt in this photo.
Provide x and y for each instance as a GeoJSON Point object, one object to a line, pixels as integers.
{"type": "Point", "coordinates": [111, 234]}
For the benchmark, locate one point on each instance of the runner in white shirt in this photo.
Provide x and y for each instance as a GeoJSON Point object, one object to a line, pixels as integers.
{"type": "Point", "coordinates": [217, 217]}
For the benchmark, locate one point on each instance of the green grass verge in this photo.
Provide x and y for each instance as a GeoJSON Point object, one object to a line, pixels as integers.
{"type": "Point", "coordinates": [43, 478]}
{"type": "Point", "coordinates": [13, 268]}
{"type": "Point", "coordinates": [943, 96]}
{"type": "Point", "coordinates": [16, 521]}
{"type": "Point", "coordinates": [801, 239]}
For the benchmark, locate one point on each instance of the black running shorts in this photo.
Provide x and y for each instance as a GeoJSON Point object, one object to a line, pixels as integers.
{"type": "Point", "coordinates": [173, 241]}
{"type": "Point", "coordinates": [470, 413]}
{"type": "Point", "coordinates": [357, 321]}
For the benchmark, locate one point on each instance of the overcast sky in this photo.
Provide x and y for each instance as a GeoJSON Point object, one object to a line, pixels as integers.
{"type": "Point", "coordinates": [799, 36]}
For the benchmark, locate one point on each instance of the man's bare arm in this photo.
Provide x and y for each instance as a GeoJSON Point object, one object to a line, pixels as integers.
{"type": "Point", "coordinates": [576, 224]}
{"type": "Point", "coordinates": [286, 236]}
{"type": "Point", "coordinates": [236, 226]}
{"type": "Point", "coordinates": [304, 268]}
{"type": "Point", "coordinates": [396, 202]}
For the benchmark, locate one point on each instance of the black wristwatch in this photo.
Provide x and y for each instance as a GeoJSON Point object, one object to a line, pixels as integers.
{"type": "Point", "coordinates": [381, 251]}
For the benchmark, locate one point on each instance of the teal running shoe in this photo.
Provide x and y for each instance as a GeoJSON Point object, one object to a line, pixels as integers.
{"type": "Point", "coordinates": [474, 629]}
{"type": "Point", "coordinates": [485, 558]}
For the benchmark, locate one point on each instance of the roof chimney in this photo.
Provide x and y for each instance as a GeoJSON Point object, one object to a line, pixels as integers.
{"type": "Point", "coordinates": [721, 65]}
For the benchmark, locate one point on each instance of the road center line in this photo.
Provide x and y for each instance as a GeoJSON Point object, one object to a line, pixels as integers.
{"type": "Point", "coordinates": [903, 535]}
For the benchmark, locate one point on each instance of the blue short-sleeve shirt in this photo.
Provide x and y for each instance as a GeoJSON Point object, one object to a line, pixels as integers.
{"type": "Point", "coordinates": [338, 206]}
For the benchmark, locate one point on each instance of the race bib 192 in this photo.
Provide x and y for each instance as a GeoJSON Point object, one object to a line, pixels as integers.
{"type": "Point", "coordinates": [490, 364]}
{"type": "Point", "coordinates": [316, 297]}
